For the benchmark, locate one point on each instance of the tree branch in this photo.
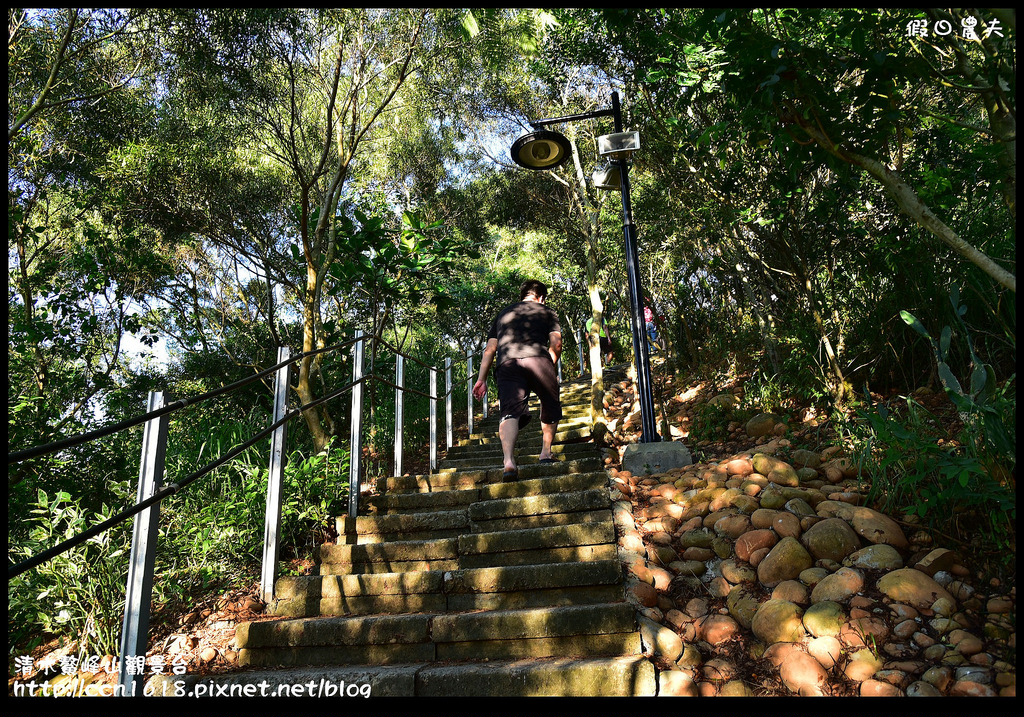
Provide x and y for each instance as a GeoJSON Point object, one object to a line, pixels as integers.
{"type": "Point", "coordinates": [908, 201]}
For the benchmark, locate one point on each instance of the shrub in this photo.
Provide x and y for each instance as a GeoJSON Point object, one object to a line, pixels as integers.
{"type": "Point", "coordinates": [78, 594]}
{"type": "Point", "coordinates": [964, 486]}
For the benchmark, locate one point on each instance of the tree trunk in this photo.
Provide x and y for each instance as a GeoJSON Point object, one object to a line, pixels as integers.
{"type": "Point", "coordinates": [766, 327]}
{"type": "Point", "coordinates": [1002, 117]}
{"type": "Point", "coordinates": [839, 388]}
{"type": "Point", "coordinates": [667, 337]}
{"type": "Point", "coordinates": [599, 427]}
{"type": "Point", "coordinates": [592, 211]}
{"type": "Point", "coordinates": [908, 201]}
{"type": "Point", "coordinates": [694, 358]}
{"type": "Point", "coordinates": [304, 387]}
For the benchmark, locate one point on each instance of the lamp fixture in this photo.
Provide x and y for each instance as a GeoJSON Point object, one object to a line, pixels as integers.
{"type": "Point", "coordinates": [541, 149]}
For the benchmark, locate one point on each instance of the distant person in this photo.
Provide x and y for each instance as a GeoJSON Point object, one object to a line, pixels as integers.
{"type": "Point", "coordinates": [602, 334]}
{"type": "Point", "coordinates": [652, 330]}
{"type": "Point", "coordinates": [526, 338]}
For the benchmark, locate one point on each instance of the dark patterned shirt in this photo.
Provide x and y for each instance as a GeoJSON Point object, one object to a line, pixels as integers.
{"type": "Point", "coordinates": [522, 331]}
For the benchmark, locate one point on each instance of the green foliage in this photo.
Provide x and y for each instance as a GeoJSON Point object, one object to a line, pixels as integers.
{"type": "Point", "coordinates": [988, 410]}
{"type": "Point", "coordinates": [213, 534]}
{"type": "Point", "coordinates": [959, 485]}
{"type": "Point", "coordinates": [710, 423]}
{"type": "Point", "coordinates": [487, 292]}
{"type": "Point", "coordinates": [211, 537]}
{"type": "Point", "coordinates": [315, 492]}
{"type": "Point", "coordinates": [78, 593]}
{"type": "Point", "coordinates": [912, 470]}
{"type": "Point", "coordinates": [182, 198]}
{"type": "Point", "coordinates": [772, 223]}
{"type": "Point", "coordinates": [767, 394]}
{"type": "Point", "coordinates": [395, 264]}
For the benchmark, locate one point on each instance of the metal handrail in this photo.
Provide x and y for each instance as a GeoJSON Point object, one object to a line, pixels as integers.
{"type": "Point", "coordinates": [80, 438]}
{"type": "Point", "coordinates": [385, 344]}
{"type": "Point", "coordinates": [150, 494]}
{"type": "Point", "coordinates": [64, 546]}
{"type": "Point", "coordinates": [15, 570]}
{"type": "Point", "coordinates": [384, 381]}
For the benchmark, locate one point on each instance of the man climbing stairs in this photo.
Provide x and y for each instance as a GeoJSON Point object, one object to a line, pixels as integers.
{"type": "Point", "coordinates": [460, 584]}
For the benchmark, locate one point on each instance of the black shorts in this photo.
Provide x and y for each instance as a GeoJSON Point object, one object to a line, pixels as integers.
{"type": "Point", "coordinates": [517, 377]}
{"type": "Point", "coordinates": [603, 341]}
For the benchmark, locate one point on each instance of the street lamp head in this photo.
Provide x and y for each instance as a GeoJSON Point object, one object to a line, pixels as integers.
{"type": "Point", "coordinates": [620, 145]}
{"type": "Point", "coordinates": [541, 149]}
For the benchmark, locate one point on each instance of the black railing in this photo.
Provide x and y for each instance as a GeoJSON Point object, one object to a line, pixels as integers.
{"type": "Point", "coordinates": [81, 438]}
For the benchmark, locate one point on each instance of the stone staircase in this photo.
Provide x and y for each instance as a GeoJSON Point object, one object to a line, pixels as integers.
{"type": "Point", "coordinates": [459, 584]}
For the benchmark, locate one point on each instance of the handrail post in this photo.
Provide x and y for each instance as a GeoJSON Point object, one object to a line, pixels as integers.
{"type": "Point", "coordinates": [399, 410]}
{"type": "Point", "coordinates": [275, 480]}
{"type": "Point", "coordinates": [135, 628]}
{"type": "Point", "coordinates": [356, 434]}
{"type": "Point", "coordinates": [433, 419]}
{"type": "Point", "coordinates": [448, 402]}
{"type": "Point", "coordinates": [469, 393]}
{"type": "Point", "coordinates": [559, 369]}
{"type": "Point", "coordinates": [485, 401]}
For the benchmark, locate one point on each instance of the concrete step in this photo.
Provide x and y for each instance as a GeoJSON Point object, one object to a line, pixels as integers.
{"type": "Point", "coordinates": [459, 583]}
{"type": "Point", "coordinates": [572, 417]}
{"type": "Point", "coordinates": [457, 454]}
{"type": "Point", "coordinates": [543, 544]}
{"type": "Point", "coordinates": [574, 403]}
{"type": "Point", "coordinates": [483, 512]}
{"type": "Point", "coordinates": [607, 629]}
{"type": "Point", "coordinates": [559, 677]}
{"type": "Point", "coordinates": [488, 456]}
{"type": "Point", "coordinates": [408, 502]}
{"type": "Point", "coordinates": [491, 588]}
{"type": "Point", "coordinates": [476, 517]}
{"type": "Point", "coordinates": [571, 414]}
{"type": "Point", "coordinates": [584, 538]}
{"type": "Point", "coordinates": [526, 441]}
{"type": "Point", "coordinates": [427, 525]}
{"type": "Point", "coordinates": [391, 557]}
{"type": "Point", "coordinates": [490, 474]}
{"type": "Point", "coordinates": [527, 438]}
{"type": "Point", "coordinates": [572, 463]}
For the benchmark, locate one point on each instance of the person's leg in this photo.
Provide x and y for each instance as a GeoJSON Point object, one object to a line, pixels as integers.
{"type": "Point", "coordinates": [512, 407]}
{"type": "Point", "coordinates": [544, 382]}
{"type": "Point", "coordinates": [547, 437]}
{"type": "Point", "coordinates": [508, 432]}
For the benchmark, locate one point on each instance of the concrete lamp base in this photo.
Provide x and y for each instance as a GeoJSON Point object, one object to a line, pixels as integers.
{"type": "Point", "coordinates": [651, 458]}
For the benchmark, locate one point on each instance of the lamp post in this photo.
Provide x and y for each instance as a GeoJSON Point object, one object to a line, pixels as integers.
{"type": "Point", "coordinates": [545, 149]}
